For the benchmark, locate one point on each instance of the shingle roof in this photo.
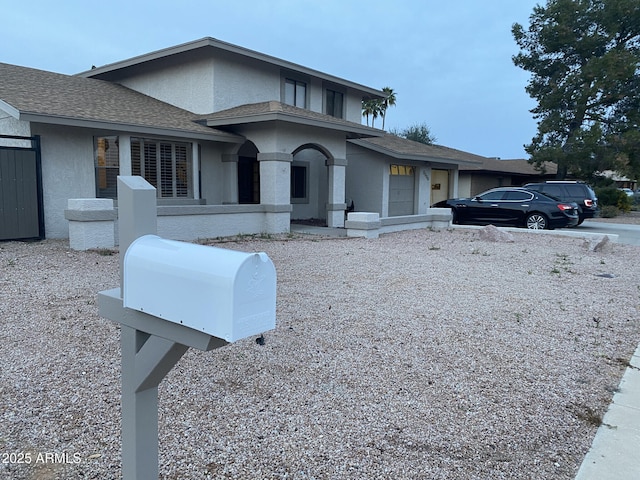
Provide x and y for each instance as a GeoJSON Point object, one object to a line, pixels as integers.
{"type": "Point", "coordinates": [515, 166]}
{"type": "Point", "coordinates": [401, 148]}
{"type": "Point", "coordinates": [56, 98]}
{"type": "Point", "coordinates": [273, 110]}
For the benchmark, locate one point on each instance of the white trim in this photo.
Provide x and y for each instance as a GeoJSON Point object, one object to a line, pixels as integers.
{"type": "Point", "coordinates": [10, 109]}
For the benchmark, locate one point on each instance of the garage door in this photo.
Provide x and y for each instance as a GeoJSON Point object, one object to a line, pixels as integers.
{"type": "Point", "coordinates": [20, 194]}
{"type": "Point", "coordinates": [401, 190]}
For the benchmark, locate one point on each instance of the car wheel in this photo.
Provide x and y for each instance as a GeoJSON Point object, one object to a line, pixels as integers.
{"type": "Point", "coordinates": [537, 221]}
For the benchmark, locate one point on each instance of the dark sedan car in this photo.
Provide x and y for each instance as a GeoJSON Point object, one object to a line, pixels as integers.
{"type": "Point", "coordinates": [513, 206]}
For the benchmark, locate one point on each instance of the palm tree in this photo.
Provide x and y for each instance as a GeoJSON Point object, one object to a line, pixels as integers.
{"type": "Point", "coordinates": [376, 111]}
{"type": "Point", "coordinates": [366, 109]}
{"type": "Point", "coordinates": [389, 101]}
{"type": "Point", "coordinates": [370, 107]}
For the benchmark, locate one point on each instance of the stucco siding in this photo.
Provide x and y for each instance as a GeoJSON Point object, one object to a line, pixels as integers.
{"type": "Point", "coordinates": [365, 180]}
{"type": "Point", "coordinates": [237, 83]}
{"type": "Point", "coordinates": [188, 85]}
{"type": "Point", "coordinates": [288, 138]}
{"type": "Point", "coordinates": [10, 126]}
{"type": "Point", "coordinates": [67, 172]}
{"type": "Point", "coordinates": [211, 174]}
{"type": "Point", "coordinates": [316, 96]}
{"type": "Point", "coordinates": [353, 107]}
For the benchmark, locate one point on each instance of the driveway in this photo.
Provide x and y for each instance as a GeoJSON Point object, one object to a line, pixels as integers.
{"type": "Point", "coordinates": [626, 226]}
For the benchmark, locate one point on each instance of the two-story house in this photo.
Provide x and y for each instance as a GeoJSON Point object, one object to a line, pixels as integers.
{"type": "Point", "coordinates": [233, 140]}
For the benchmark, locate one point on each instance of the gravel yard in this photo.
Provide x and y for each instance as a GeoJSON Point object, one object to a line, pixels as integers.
{"type": "Point", "coordinates": [418, 355]}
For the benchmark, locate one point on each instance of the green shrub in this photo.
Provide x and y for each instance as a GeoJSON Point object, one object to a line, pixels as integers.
{"type": "Point", "coordinates": [611, 196]}
{"type": "Point", "coordinates": [609, 211]}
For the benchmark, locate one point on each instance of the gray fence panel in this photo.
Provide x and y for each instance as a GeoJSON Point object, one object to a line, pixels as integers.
{"type": "Point", "coordinates": [19, 208]}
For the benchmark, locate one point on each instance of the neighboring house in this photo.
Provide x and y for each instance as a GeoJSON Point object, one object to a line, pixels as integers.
{"type": "Point", "coordinates": [493, 172]}
{"type": "Point", "coordinates": [234, 141]}
{"type": "Point", "coordinates": [620, 180]}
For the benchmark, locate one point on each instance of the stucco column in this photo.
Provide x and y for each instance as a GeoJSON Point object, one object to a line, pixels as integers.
{"type": "Point", "coordinates": [423, 189]}
{"type": "Point", "coordinates": [453, 179]}
{"type": "Point", "coordinates": [336, 205]}
{"type": "Point", "coordinates": [124, 154]}
{"type": "Point", "coordinates": [230, 176]}
{"type": "Point", "coordinates": [275, 190]}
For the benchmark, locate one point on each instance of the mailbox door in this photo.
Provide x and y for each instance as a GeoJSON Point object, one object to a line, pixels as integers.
{"type": "Point", "coordinates": [254, 297]}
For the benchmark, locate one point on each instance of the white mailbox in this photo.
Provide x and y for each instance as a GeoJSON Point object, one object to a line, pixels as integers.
{"type": "Point", "coordinates": [224, 293]}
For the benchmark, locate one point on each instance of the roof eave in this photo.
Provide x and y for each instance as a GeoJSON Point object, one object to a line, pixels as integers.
{"type": "Point", "coordinates": [358, 132]}
{"type": "Point", "coordinates": [132, 128]}
{"type": "Point", "coordinates": [412, 156]}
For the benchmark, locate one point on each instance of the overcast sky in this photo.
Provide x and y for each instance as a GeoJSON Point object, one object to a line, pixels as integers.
{"type": "Point", "coordinates": [449, 61]}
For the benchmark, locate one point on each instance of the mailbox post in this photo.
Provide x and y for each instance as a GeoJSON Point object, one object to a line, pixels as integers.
{"type": "Point", "coordinates": [172, 296]}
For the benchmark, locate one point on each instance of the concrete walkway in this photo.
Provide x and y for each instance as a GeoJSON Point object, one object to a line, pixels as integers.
{"type": "Point", "coordinates": [615, 451]}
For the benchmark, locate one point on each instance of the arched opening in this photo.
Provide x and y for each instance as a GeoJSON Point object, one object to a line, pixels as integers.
{"type": "Point", "coordinates": [248, 174]}
{"type": "Point", "coordinates": [309, 185]}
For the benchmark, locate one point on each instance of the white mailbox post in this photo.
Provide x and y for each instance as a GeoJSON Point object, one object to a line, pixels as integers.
{"type": "Point", "coordinates": [174, 295]}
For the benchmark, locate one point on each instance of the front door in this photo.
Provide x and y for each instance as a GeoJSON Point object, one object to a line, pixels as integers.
{"type": "Point", "coordinates": [439, 186]}
{"type": "Point", "coordinates": [248, 180]}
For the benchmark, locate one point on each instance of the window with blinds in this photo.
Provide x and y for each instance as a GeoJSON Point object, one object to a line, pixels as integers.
{"type": "Point", "coordinates": [165, 165]}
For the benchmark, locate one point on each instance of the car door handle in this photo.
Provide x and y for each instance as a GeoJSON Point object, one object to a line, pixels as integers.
{"type": "Point", "coordinates": [525, 205]}
{"type": "Point", "coordinates": [495, 205]}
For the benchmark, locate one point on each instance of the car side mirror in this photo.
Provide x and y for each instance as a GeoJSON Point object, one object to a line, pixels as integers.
{"type": "Point", "coordinates": [477, 199]}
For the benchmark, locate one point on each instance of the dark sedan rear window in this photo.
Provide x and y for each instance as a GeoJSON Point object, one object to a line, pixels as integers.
{"type": "Point", "coordinates": [493, 196]}
{"type": "Point", "coordinates": [518, 196]}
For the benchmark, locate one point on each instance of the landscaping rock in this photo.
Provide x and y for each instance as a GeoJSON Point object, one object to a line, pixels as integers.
{"type": "Point", "coordinates": [490, 233]}
{"type": "Point", "coordinates": [597, 244]}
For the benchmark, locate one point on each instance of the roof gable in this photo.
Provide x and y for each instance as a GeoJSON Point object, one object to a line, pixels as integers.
{"type": "Point", "coordinates": [213, 45]}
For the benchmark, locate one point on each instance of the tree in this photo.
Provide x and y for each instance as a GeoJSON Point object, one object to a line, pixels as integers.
{"type": "Point", "coordinates": [377, 107]}
{"type": "Point", "coordinates": [389, 101]}
{"type": "Point", "coordinates": [371, 107]}
{"type": "Point", "coordinates": [584, 57]}
{"type": "Point", "coordinates": [418, 132]}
